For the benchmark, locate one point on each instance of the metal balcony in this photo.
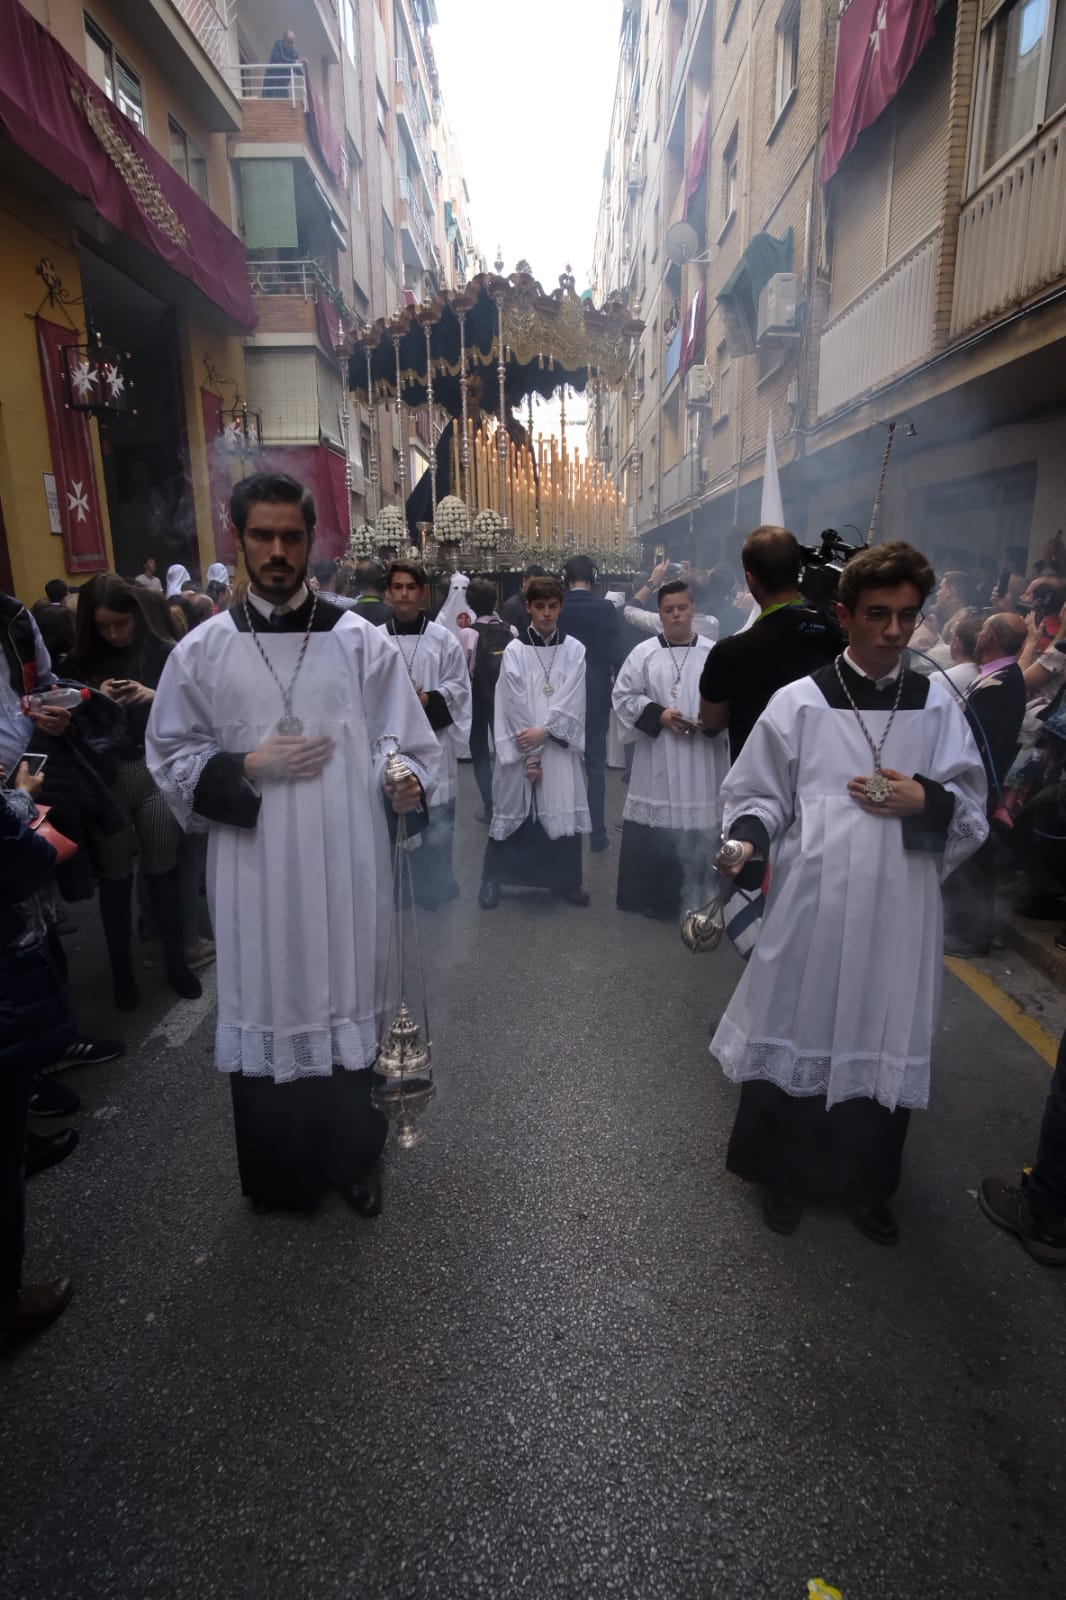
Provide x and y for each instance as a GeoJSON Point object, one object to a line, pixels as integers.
{"type": "Point", "coordinates": [192, 37]}
{"type": "Point", "coordinates": [411, 120]}
{"type": "Point", "coordinates": [265, 80]}
{"type": "Point", "coordinates": [413, 222]}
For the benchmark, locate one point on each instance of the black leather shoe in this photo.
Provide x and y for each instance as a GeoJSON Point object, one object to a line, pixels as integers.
{"type": "Point", "coordinates": [50, 1098]}
{"type": "Point", "coordinates": [45, 1150]}
{"type": "Point", "coordinates": [876, 1221]}
{"type": "Point", "coordinates": [781, 1211]}
{"type": "Point", "coordinates": [598, 843]}
{"type": "Point", "coordinates": [576, 897]}
{"type": "Point", "coordinates": [124, 992]}
{"type": "Point", "coordinates": [488, 896]}
{"type": "Point", "coordinates": [365, 1196]}
{"type": "Point", "coordinates": [34, 1307]}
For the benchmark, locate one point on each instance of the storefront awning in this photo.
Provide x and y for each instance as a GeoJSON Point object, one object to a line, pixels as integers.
{"type": "Point", "coordinates": [52, 111]}
{"type": "Point", "coordinates": [738, 298]}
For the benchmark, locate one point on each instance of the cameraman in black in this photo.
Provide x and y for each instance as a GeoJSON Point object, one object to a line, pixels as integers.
{"type": "Point", "coordinates": [788, 640]}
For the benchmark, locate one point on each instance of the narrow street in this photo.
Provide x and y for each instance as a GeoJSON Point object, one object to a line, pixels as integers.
{"type": "Point", "coordinates": [569, 1359]}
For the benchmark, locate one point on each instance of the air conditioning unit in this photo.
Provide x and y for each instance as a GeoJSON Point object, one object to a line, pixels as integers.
{"type": "Point", "coordinates": [635, 177]}
{"type": "Point", "coordinates": [777, 307]}
{"type": "Point", "coordinates": [699, 386]}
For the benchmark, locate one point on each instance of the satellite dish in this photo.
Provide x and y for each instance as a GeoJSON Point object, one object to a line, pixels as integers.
{"type": "Point", "coordinates": [681, 242]}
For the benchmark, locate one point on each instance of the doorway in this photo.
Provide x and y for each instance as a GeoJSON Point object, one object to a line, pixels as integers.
{"type": "Point", "coordinates": [145, 451]}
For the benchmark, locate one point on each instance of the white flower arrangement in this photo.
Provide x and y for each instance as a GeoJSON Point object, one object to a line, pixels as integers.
{"type": "Point", "coordinates": [363, 542]}
{"type": "Point", "coordinates": [487, 527]}
{"type": "Point", "coordinates": [452, 521]}
{"type": "Point", "coordinates": [391, 526]}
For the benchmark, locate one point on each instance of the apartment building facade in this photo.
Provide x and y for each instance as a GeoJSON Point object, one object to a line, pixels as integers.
{"type": "Point", "coordinates": [212, 218]}
{"type": "Point", "coordinates": [921, 279]}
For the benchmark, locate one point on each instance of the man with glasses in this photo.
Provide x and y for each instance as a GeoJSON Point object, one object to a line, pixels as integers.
{"type": "Point", "coordinates": [862, 787]}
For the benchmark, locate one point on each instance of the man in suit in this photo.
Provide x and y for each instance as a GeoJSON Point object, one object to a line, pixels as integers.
{"type": "Point", "coordinates": [593, 621]}
{"type": "Point", "coordinates": [995, 706]}
{"type": "Point", "coordinates": [515, 611]}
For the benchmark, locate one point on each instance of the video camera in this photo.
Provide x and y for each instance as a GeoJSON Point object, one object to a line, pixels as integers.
{"type": "Point", "coordinates": [820, 578]}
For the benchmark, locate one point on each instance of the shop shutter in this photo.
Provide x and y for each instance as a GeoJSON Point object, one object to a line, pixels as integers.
{"type": "Point", "coordinates": [329, 401]}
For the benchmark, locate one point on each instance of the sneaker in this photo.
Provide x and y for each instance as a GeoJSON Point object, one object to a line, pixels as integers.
{"type": "Point", "coordinates": [89, 1053]}
{"type": "Point", "coordinates": [1008, 1205]}
{"type": "Point", "coordinates": [52, 1099]}
{"type": "Point", "coordinates": [200, 954]}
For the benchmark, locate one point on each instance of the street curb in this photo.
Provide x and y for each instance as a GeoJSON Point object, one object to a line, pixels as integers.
{"type": "Point", "coordinates": [1034, 941]}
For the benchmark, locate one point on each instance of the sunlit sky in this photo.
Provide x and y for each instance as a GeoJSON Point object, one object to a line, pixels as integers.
{"type": "Point", "coordinates": [528, 89]}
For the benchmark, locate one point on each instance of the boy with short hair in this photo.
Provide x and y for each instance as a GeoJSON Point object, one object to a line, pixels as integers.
{"type": "Point", "coordinates": [540, 809]}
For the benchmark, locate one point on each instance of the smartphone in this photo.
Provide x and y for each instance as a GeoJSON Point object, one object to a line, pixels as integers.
{"type": "Point", "coordinates": [35, 763]}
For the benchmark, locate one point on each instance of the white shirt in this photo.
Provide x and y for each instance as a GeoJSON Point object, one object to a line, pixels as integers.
{"type": "Point", "coordinates": [267, 608]}
{"type": "Point", "coordinates": [878, 683]}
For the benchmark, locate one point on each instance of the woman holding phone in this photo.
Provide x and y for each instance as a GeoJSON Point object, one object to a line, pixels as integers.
{"type": "Point", "coordinates": [119, 650]}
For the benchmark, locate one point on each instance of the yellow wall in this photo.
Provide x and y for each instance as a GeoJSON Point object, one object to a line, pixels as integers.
{"type": "Point", "coordinates": [36, 554]}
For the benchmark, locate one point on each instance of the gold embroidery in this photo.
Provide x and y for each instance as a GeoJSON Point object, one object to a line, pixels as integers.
{"type": "Point", "coordinates": [131, 168]}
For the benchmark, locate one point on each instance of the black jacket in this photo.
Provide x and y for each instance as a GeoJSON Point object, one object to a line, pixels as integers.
{"type": "Point", "coordinates": [594, 621]}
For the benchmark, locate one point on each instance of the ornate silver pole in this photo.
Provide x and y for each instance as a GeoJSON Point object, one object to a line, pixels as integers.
{"type": "Point", "coordinates": [346, 437]}
{"type": "Point", "coordinates": [399, 422]}
{"type": "Point", "coordinates": [464, 442]}
{"type": "Point", "coordinates": [372, 503]}
{"type": "Point", "coordinates": [501, 431]}
{"type": "Point", "coordinates": [432, 441]}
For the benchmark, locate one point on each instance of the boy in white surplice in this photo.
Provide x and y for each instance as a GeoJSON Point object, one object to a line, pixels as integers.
{"type": "Point", "coordinates": [672, 809]}
{"type": "Point", "coordinates": [539, 805]}
{"type": "Point", "coordinates": [269, 730]}
{"type": "Point", "coordinates": [862, 787]}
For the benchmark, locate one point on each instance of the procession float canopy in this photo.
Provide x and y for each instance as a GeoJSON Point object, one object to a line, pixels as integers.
{"type": "Point", "coordinates": [550, 341]}
{"type": "Point", "coordinates": [495, 495]}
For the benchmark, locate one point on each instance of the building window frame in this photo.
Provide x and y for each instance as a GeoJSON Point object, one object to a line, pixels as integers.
{"type": "Point", "coordinates": [190, 158]}
{"type": "Point", "coordinates": [730, 177]}
{"type": "Point", "coordinates": [1046, 83]}
{"type": "Point", "coordinates": [122, 83]}
{"type": "Point", "coordinates": [786, 57]}
{"type": "Point", "coordinates": [349, 29]}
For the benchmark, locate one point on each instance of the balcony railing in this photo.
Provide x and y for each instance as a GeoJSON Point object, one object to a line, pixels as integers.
{"type": "Point", "coordinates": [209, 20]}
{"type": "Point", "coordinates": [417, 219]}
{"type": "Point", "coordinates": [1012, 234]}
{"type": "Point", "coordinates": [300, 277]}
{"type": "Point", "coordinates": [884, 332]}
{"type": "Point", "coordinates": [413, 115]}
{"type": "Point", "coordinates": [264, 80]}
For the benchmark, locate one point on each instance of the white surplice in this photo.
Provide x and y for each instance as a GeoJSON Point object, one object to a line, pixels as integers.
{"type": "Point", "coordinates": [559, 801]}
{"type": "Point", "coordinates": [434, 660]}
{"type": "Point", "coordinates": [301, 903]}
{"type": "Point", "coordinates": [841, 993]}
{"type": "Point", "coordinates": [676, 777]}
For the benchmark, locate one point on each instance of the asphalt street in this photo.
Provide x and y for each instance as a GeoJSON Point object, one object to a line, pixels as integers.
{"type": "Point", "coordinates": [569, 1359]}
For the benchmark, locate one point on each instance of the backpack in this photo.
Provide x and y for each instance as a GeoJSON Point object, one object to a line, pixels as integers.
{"type": "Point", "coordinates": [493, 637]}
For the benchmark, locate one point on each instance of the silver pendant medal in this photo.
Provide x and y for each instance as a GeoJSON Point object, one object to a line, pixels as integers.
{"type": "Point", "coordinates": [288, 725]}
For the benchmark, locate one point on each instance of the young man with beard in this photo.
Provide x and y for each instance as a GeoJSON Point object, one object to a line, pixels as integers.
{"type": "Point", "coordinates": [863, 788]}
{"type": "Point", "coordinates": [672, 805]}
{"type": "Point", "coordinates": [270, 729]}
{"type": "Point", "coordinates": [434, 662]}
{"type": "Point", "coordinates": [539, 805]}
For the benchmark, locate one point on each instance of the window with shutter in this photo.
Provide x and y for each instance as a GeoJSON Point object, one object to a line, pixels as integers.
{"type": "Point", "coordinates": [921, 113]}
{"type": "Point", "coordinates": [860, 215]}
{"type": "Point", "coordinates": [282, 384]}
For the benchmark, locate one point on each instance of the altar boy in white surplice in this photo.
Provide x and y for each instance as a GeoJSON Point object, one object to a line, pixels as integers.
{"type": "Point", "coordinates": [862, 787]}
{"type": "Point", "coordinates": [269, 730]}
{"type": "Point", "coordinates": [539, 805]}
{"type": "Point", "coordinates": [670, 823]}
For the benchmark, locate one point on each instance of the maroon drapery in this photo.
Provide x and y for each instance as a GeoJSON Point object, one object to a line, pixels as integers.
{"type": "Point", "coordinates": [218, 476]}
{"type": "Point", "coordinates": [71, 448]}
{"type": "Point", "coordinates": [51, 109]}
{"type": "Point", "coordinates": [327, 322]}
{"type": "Point", "coordinates": [321, 470]}
{"type": "Point", "coordinates": [697, 161]}
{"type": "Point", "coordinates": [878, 42]}
{"type": "Point", "coordinates": [322, 130]}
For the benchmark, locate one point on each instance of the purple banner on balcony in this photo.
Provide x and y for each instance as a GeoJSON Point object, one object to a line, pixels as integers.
{"type": "Point", "coordinates": [53, 111]}
{"type": "Point", "coordinates": [327, 322]}
{"type": "Point", "coordinates": [322, 130]}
